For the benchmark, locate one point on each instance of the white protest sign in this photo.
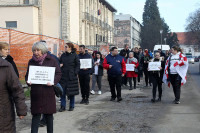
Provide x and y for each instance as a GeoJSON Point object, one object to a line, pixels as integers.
{"type": "Point", "coordinates": [41, 75]}
{"type": "Point", "coordinates": [130, 67]}
{"type": "Point", "coordinates": [85, 63]}
{"type": "Point", "coordinates": [154, 66]}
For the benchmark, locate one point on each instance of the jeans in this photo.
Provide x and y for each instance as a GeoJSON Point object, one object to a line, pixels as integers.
{"type": "Point", "coordinates": [63, 99]}
{"type": "Point", "coordinates": [115, 82]}
{"type": "Point", "coordinates": [36, 121]}
{"type": "Point", "coordinates": [175, 80]}
{"type": "Point", "coordinates": [72, 101]}
{"type": "Point", "coordinates": [85, 85]}
{"type": "Point", "coordinates": [96, 79]}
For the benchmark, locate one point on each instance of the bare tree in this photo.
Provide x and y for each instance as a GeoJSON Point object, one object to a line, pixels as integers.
{"type": "Point", "coordinates": [193, 24]}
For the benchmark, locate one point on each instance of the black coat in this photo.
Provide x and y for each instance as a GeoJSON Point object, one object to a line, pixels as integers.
{"type": "Point", "coordinates": [43, 96]}
{"type": "Point", "coordinates": [10, 59]}
{"type": "Point", "coordinates": [100, 68]}
{"type": "Point", "coordinates": [70, 69]}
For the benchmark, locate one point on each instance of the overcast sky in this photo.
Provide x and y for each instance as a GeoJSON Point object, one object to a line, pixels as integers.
{"type": "Point", "coordinates": [175, 12]}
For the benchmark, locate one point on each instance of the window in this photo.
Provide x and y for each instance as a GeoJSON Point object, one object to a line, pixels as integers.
{"type": "Point", "coordinates": [26, 1]}
{"type": "Point", "coordinates": [11, 24]}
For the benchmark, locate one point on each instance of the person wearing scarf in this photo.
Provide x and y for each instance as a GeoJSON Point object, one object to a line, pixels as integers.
{"type": "Point", "coordinates": [175, 71]}
{"type": "Point", "coordinates": [132, 74]}
{"type": "Point", "coordinates": [43, 96]}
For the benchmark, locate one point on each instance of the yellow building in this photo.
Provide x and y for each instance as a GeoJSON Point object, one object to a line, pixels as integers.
{"type": "Point", "coordinates": [88, 22]}
{"type": "Point", "coordinates": [97, 22]}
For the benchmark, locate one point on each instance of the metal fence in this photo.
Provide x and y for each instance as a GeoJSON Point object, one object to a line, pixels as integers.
{"type": "Point", "coordinates": [20, 44]}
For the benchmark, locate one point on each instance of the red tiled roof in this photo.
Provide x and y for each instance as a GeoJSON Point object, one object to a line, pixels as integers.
{"type": "Point", "coordinates": [186, 38]}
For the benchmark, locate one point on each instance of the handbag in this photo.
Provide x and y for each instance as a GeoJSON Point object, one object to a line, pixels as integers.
{"type": "Point", "coordinates": [58, 90]}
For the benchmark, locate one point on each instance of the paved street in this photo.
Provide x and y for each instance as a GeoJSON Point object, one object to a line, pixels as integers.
{"type": "Point", "coordinates": [135, 114]}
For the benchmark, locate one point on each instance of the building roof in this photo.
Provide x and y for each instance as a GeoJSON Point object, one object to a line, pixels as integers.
{"type": "Point", "coordinates": [108, 5]}
{"type": "Point", "coordinates": [186, 38]}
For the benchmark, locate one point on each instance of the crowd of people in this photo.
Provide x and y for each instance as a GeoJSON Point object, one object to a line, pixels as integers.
{"type": "Point", "coordinates": [69, 75]}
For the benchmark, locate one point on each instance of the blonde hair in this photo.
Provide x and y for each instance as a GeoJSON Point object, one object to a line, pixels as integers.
{"type": "Point", "coordinates": [3, 45]}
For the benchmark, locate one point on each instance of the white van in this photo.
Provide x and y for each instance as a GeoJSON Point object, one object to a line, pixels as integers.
{"type": "Point", "coordinates": [164, 48]}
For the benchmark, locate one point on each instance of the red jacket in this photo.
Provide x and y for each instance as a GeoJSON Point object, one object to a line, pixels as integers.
{"type": "Point", "coordinates": [132, 73]}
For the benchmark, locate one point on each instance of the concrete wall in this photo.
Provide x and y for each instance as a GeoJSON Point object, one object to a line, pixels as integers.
{"type": "Point", "coordinates": [74, 20]}
{"type": "Point", "coordinates": [51, 18]}
{"type": "Point", "coordinates": [26, 17]}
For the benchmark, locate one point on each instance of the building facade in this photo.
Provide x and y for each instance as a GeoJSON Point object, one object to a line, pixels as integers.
{"type": "Point", "coordinates": [97, 23]}
{"type": "Point", "coordinates": [188, 43]}
{"type": "Point", "coordinates": [31, 16]}
{"type": "Point", "coordinates": [88, 22]}
{"type": "Point", "coordinates": [127, 31]}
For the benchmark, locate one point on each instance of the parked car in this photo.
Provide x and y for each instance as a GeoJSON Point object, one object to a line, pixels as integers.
{"type": "Point", "coordinates": [190, 59]}
{"type": "Point", "coordinates": [196, 59]}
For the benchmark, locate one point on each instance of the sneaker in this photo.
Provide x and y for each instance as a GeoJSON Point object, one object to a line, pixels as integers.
{"type": "Point", "coordinates": [83, 101]}
{"type": "Point", "coordinates": [112, 99]}
{"type": "Point", "coordinates": [131, 88]}
{"type": "Point", "coordinates": [59, 101]}
{"type": "Point", "coordinates": [177, 102]}
{"type": "Point", "coordinates": [119, 99]}
{"type": "Point", "coordinates": [138, 83]}
{"type": "Point", "coordinates": [99, 92]}
{"type": "Point", "coordinates": [153, 100]}
{"type": "Point", "coordinates": [92, 92]}
{"type": "Point", "coordinates": [86, 101]}
{"type": "Point", "coordinates": [62, 108]}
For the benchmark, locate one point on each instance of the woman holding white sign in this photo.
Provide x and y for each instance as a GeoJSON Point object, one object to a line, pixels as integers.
{"type": "Point", "coordinates": [132, 74]}
{"type": "Point", "coordinates": [157, 78]}
{"type": "Point", "coordinates": [42, 95]}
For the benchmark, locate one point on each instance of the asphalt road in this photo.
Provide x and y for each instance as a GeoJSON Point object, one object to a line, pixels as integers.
{"type": "Point", "coordinates": [185, 117]}
{"type": "Point", "coordinates": [135, 114]}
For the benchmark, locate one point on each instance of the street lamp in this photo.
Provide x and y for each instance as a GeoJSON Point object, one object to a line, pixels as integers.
{"type": "Point", "coordinates": [161, 31]}
{"type": "Point", "coordinates": [165, 40]}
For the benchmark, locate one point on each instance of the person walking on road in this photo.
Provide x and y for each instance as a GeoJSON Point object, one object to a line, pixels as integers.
{"type": "Point", "coordinates": [43, 96]}
{"type": "Point", "coordinates": [145, 62]}
{"type": "Point", "coordinates": [157, 78]}
{"type": "Point", "coordinates": [116, 69]}
{"type": "Point", "coordinates": [11, 97]}
{"type": "Point", "coordinates": [84, 76]}
{"type": "Point", "coordinates": [70, 66]}
{"type": "Point", "coordinates": [97, 73]}
{"type": "Point", "coordinates": [132, 75]}
{"type": "Point", "coordinates": [175, 71]}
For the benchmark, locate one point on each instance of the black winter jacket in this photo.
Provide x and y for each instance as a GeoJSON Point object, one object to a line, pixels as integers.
{"type": "Point", "coordinates": [70, 69]}
{"type": "Point", "coordinates": [10, 59]}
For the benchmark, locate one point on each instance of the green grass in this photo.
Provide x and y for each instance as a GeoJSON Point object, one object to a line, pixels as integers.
{"type": "Point", "coordinates": [27, 93]}
{"type": "Point", "coordinates": [22, 81]}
